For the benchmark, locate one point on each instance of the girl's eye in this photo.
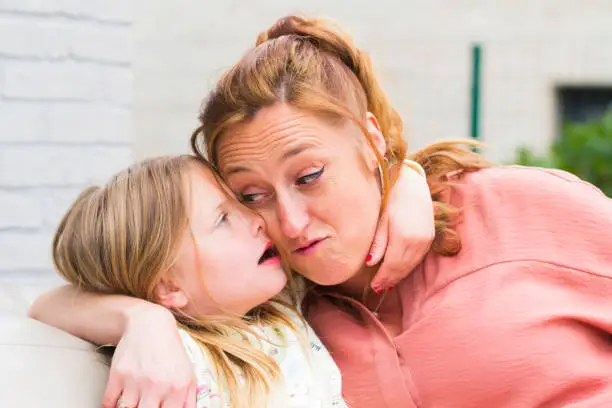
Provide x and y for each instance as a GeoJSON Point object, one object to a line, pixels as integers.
{"type": "Point", "coordinates": [311, 177]}
{"type": "Point", "coordinates": [222, 220]}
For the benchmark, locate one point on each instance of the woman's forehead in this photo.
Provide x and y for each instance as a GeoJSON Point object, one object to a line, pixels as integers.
{"type": "Point", "coordinates": [276, 133]}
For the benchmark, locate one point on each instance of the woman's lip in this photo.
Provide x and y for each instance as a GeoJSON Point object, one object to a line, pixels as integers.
{"type": "Point", "coordinates": [308, 248]}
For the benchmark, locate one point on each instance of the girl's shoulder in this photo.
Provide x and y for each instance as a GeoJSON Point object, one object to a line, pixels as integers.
{"type": "Point", "coordinates": [208, 393]}
{"type": "Point", "coordinates": [309, 373]}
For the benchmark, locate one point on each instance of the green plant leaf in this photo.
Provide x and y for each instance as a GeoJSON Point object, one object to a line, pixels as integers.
{"type": "Point", "coordinates": [584, 149]}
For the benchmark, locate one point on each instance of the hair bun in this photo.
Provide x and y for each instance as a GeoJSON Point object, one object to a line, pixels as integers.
{"type": "Point", "coordinates": [321, 33]}
{"type": "Point", "coordinates": [290, 25]}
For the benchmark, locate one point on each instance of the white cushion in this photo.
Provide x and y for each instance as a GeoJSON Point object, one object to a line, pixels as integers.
{"type": "Point", "coordinates": [43, 366]}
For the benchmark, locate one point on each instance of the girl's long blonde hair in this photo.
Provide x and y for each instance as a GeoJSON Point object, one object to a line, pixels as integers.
{"type": "Point", "coordinates": [312, 65]}
{"type": "Point", "coordinates": [122, 237]}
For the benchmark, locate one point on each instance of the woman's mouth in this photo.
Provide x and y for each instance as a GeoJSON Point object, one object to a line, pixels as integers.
{"type": "Point", "coordinates": [309, 248]}
{"type": "Point", "coordinates": [269, 256]}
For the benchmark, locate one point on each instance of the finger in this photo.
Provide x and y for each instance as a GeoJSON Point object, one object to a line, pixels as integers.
{"type": "Point", "coordinates": [150, 399]}
{"type": "Point", "coordinates": [388, 272]}
{"type": "Point", "coordinates": [379, 244]}
{"type": "Point", "coordinates": [191, 397]}
{"type": "Point", "coordinates": [394, 272]}
{"type": "Point", "coordinates": [128, 398]}
{"type": "Point", "coordinates": [398, 262]}
{"type": "Point", "coordinates": [113, 391]}
{"type": "Point", "coordinates": [174, 400]}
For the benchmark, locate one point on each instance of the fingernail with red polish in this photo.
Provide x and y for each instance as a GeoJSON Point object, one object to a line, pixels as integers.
{"type": "Point", "coordinates": [377, 289]}
{"type": "Point", "coordinates": [369, 258]}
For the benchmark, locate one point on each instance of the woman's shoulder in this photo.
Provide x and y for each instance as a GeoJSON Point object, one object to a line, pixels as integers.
{"type": "Point", "coordinates": [512, 212]}
{"type": "Point", "coordinates": [512, 215]}
{"type": "Point", "coordinates": [516, 179]}
{"type": "Point", "coordinates": [528, 192]}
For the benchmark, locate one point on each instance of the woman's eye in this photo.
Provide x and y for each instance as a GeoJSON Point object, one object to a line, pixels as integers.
{"type": "Point", "coordinates": [250, 198]}
{"type": "Point", "coordinates": [222, 220]}
{"type": "Point", "coordinates": [311, 177]}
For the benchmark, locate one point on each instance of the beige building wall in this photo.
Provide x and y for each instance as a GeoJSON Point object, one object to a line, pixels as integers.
{"type": "Point", "coordinates": [421, 49]}
{"type": "Point", "coordinates": [87, 86]}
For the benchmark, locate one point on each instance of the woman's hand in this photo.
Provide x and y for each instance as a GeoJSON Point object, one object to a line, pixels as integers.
{"type": "Point", "coordinates": [150, 368]}
{"type": "Point", "coordinates": [405, 232]}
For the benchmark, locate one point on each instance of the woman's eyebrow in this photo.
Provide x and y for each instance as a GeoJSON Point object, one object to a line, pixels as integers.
{"type": "Point", "coordinates": [237, 169]}
{"type": "Point", "coordinates": [294, 151]}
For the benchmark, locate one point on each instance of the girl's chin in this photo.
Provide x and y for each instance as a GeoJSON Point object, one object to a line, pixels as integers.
{"type": "Point", "coordinates": [278, 286]}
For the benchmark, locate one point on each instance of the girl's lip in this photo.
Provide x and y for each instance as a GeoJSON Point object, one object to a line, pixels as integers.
{"type": "Point", "coordinates": [272, 259]}
{"type": "Point", "coordinates": [269, 245]}
{"type": "Point", "coordinates": [275, 260]}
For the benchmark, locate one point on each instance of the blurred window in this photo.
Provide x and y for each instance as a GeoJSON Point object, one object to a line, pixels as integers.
{"type": "Point", "coordinates": [581, 104]}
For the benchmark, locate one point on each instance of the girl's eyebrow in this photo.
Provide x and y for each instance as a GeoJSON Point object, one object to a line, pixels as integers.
{"type": "Point", "coordinates": [213, 216]}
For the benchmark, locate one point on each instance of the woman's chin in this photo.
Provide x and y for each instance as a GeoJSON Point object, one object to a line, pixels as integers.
{"type": "Point", "coordinates": [332, 279]}
{"type": "Point", "coordinates": [337, 275]}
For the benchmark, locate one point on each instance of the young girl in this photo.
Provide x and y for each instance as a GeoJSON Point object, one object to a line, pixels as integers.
{"type": "Point", "coordinates": [165, 230]}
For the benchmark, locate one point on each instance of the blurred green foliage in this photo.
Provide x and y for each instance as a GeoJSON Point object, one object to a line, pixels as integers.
{"type": "Point", "coordinates": [584, 149]}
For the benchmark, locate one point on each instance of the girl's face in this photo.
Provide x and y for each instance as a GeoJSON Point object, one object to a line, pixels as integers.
{"type": "Point", "coordinates": [225, 263]}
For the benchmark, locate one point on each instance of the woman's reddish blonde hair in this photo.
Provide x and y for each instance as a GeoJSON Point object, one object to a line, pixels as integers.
{"type": "Point", "coordinates": [312, 65]}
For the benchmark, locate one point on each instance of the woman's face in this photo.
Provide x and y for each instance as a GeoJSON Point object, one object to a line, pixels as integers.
{"type": "Point", "coordinates": [314, 183]}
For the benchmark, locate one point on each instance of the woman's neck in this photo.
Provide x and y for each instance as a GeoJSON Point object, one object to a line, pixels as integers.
{"type": "Point", "coordinates": [356, 286]}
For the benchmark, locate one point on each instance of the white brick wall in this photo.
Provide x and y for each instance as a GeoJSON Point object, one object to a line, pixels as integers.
{"type": "Point", "coordinates": [65, 118]}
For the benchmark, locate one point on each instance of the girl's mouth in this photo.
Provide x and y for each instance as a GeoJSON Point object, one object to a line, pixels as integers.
{"type": "Point", "coordinates": [269, 255]}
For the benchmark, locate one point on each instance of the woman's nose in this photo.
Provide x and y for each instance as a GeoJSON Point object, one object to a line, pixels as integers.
{"type": "Point", "coordinates": [292, 216]}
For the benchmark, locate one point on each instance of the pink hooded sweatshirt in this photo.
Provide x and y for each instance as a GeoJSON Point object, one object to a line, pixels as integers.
{"type": "Point", "coordinates": [520, 318]}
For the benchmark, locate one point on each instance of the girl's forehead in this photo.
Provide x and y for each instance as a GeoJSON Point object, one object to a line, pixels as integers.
{"type": "Point", "coordinates": [205, 186]}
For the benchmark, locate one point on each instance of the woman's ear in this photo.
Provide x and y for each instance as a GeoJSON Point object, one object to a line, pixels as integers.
{"type": "Point", "coordinates": [170, 295]}
{"type": "Point", "coordinates": [376, 135]}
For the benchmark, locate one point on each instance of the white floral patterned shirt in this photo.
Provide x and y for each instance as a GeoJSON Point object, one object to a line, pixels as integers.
{"type": "Point", "coordinates": [310, 377]}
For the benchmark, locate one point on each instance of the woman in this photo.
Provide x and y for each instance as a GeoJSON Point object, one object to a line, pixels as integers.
{"type": "Point", "coordinates": [510, 307]}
